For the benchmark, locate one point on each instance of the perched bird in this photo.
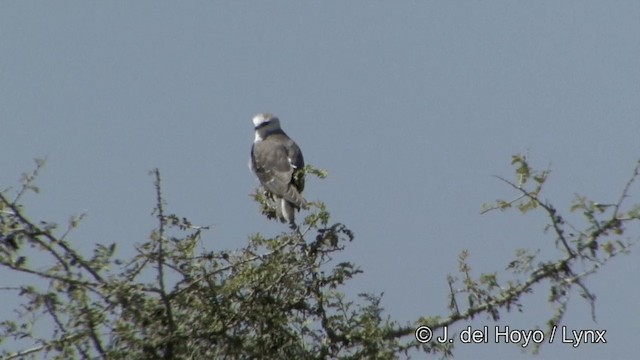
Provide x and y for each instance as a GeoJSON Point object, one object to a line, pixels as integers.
{"type": "Point", "coordinates": [277, 162]}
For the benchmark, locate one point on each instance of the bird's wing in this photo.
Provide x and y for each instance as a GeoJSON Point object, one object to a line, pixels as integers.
{"type": "Point", "coordinates": [275, 160]}
{"type": "Point", "coordinates": [297, 161]}
{"type": "Point", "coordinates": [272, 167]}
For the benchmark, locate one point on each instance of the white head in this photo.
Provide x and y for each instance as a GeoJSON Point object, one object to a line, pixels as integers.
{"type": "Point", "coordinates": [264, 124]}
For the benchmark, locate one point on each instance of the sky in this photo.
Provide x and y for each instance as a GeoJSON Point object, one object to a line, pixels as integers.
{"type": "Point", "coordinates": [411, 107]}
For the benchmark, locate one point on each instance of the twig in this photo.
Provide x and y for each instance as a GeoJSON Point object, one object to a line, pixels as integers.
{"type": "Point", "coordinates": [35, 349]}
{"type": "Point", "coordinates": [496, 207]}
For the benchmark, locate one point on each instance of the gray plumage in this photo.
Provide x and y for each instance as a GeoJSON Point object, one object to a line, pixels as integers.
{"type": "Point", "coordinates": [277, 162]}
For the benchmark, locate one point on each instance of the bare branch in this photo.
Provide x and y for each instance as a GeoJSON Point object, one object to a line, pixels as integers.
{"type": "Point", "coordinates": [161, 281]}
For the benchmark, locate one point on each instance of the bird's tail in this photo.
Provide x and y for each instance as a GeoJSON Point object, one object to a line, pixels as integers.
{"type": "Point", "coordinates": [291, 201]}
{"type": "Point", "coordinates": [287, 212]}
{"type": "Point", "coordinates": [293, 196]}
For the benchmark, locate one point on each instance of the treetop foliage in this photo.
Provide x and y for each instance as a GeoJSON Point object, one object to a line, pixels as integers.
{"type": "Point", "coordinates": [275, 298]}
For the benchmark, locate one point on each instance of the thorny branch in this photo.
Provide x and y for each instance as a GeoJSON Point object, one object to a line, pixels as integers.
{"type": "Point", "coordinates": [160, 259]}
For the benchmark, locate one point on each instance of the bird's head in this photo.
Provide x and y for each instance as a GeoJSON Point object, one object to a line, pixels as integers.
{"type": "Point", "coordinates": [266, 120]}
{"type": "Point", "coordinates": [265, 124]}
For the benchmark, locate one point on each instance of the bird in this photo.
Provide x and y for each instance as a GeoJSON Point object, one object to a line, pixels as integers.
{"type": "Point", "coordinates": [277, 162]}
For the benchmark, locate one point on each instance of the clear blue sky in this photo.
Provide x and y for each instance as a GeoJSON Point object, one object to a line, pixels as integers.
{"type": "Point", "coordinates": [411, 106]}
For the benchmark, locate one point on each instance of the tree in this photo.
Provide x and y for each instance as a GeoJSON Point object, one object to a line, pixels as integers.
{"type": "Point", "coordinates": [277, 298]}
